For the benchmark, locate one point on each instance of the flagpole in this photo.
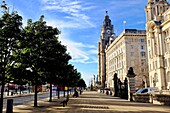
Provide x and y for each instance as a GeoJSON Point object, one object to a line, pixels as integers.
{"type": "Point", "coordinates": [124, 24]}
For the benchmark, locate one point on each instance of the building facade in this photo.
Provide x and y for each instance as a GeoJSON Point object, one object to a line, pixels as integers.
{"type": "Point", "coordinates": [127, 50]}
{"type": "Point", "coordinates": [158, 43]}
{"type": "Point", "coordinates": [148, 54]}
{"type": "Point", "coordinates": [118, 54]}
{"type": "Point", "coordinates": [107, 33]}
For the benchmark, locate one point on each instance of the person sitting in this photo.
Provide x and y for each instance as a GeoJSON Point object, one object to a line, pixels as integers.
{"type": "Point", "coordinates": [75, 94]}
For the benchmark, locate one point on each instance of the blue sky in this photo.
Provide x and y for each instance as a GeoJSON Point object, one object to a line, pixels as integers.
{"type": "Point", "coordinates": [80, 24]}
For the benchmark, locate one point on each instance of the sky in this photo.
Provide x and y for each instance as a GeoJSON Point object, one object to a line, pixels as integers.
{"type": "Point", "coordinates": [80, 23]}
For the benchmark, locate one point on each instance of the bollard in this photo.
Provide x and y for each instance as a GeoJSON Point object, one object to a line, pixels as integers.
{"type": "Point", "coordinates": [12, 93]}
{"type": "Point", "coordinates": [63, 104]}
{"type": "Point", "coordinates": [9, 106]}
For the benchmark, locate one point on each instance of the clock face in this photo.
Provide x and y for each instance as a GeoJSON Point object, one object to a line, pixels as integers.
{"type": "Point", "coordinates": [108, 31]}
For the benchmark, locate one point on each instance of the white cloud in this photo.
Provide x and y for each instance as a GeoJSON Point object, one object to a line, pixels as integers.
{"type": "Point", "coordinates": [94, 51]}
{"type": "Point", "coordinates": [141, 23]}
{"type": "Point", "coordinates": [61, 24]}
{"type": "Point", "coordinates": [87, 77]}
{"type": "Point", "coordinates": [81, 53]}
{"type": "Point", "coordinates": [75, 18]}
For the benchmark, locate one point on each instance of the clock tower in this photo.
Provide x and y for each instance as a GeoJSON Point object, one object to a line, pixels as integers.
{"type": "Point", "coordinates": [106, 37]}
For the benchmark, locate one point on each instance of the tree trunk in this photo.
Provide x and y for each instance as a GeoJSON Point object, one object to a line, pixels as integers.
{"type": "Point", "coordinates": [2, 93]}
{"type": "Point", "coordinates": [20, 88]}
{"type": "Point", "coordinates": [8, 90]}
{"type": "Point", "coordinates": [58, 93]}
{"type": "Point", "coordinates": [35, 95]}
{"type": "Point", "coordinates": [67, 91]}
{"type": "Point", "coordinates": [64, 92]}
{"type": "Point", "coordinates": [50, 100]}
{"type": "Point", "coordinates": [70, 91]}
{"type": "Point", "coordinates": [29, 88]}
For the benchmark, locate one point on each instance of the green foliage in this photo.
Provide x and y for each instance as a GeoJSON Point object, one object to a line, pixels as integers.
{"type": "Point", "coordinates": [10, 32]}
{"type": "Point", "coordinates": [81, 83]}
{"type": "Point", "coordinates": [33, 54]}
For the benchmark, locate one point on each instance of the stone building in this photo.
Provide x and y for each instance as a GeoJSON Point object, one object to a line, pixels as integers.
{"type": "Point", "coordinates": [158, 43]}
{"type": "Point", "coordinates": [106, 37]}
{"type": "Point", "coordinates": [117, 54]}
{"type": "Point", "coordinates": [127, 50]}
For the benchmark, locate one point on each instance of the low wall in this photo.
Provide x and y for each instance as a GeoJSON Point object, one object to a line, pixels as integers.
{"type": "Point", "coordinates": [161, 99]}
{"type": "Point", "coordinates": [145, 98]}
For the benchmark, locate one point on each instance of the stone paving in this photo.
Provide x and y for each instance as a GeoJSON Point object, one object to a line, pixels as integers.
{"type": "Point", "coordinates": [91, 102]}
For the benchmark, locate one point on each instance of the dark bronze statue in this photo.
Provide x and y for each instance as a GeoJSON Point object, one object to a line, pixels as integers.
{"type": "Point", "coordinates": [131, 73]}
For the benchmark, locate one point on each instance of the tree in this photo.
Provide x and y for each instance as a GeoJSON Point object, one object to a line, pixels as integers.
{"type": "Point", "coordinates": [81, 83]}
{"type": "Point", "coordinates": [73, 76]}
{"type": "Point", "coordinates": [10, 30]}
{"type": "Point", "coordinates": [55, 58]}
{"type": "Point", "coordinates": [32, 54]}
{"type": "Point", "coordinates": [28, 56]}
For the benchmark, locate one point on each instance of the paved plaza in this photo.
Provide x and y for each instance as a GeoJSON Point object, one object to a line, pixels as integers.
{"type": "Point", "coordinates": [91, 102]}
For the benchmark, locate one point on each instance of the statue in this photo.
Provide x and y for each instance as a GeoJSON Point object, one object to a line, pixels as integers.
{"type": "Point", "coordinates": [130, 73]}
{"type": "Point", "coordinates": [115, 85]}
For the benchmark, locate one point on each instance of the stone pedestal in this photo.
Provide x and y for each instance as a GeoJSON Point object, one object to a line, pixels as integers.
{"type": "Point", "coordinates": [131, 83]}
{"type": "Point", "coordinates": [131, 87]}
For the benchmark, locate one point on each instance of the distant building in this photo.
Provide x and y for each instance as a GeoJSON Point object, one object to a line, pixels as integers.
{"type": "Point", "coordinates": [127, 50]}
{"type": "Point", "coordinates": [158, 43]}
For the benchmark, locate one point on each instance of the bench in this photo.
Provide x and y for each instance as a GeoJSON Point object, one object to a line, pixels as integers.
{"type": "Point", "coordinates": [15, 93]}
{"type": "Point", "coordinates": [24, 92]}
{"type": "Point", "coordinates": [64, 102]}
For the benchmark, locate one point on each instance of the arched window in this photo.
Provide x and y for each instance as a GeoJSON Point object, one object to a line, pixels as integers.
{"type": "Point", "coordinates": [168, 76]}
{"type": "Point", "coordinates": [156, 78]}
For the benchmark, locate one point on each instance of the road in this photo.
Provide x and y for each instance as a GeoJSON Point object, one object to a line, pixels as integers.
{"type": "Point", "coordinates": [26, 98]}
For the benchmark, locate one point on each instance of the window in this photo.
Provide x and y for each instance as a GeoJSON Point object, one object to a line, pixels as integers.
{"type": "Point", "coordinates": [149, 54]}
{"type": "Point", "coordinates": [156, 78]}
{"type": "Point", "coordinates": [142, 70]}
{"type": "Point", "coordinates": [169, 48]}
{"type": "Point", "coordinates": [143, 62]}
{"type": "Point", "coordinates": [148, 42]}
{"type": "Point", "coordinates": [168, 77]}
{"type": "Point", "coordinates": [145, 91]}
{"type": "Point", "coordinates": [142, 40]}
{"type": "Point", "coordinates": [165, 62]}
{"type": "Point", "coordinates": [156, 64]}
{"type": "Point", "coordinates": [132, 39]}
{"type": "Point", "coordinates": [142, 53]}
{"type": "Point", "coordinates": [150, 68]}
{"type": "Point", "coordinates": [142, 47]}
